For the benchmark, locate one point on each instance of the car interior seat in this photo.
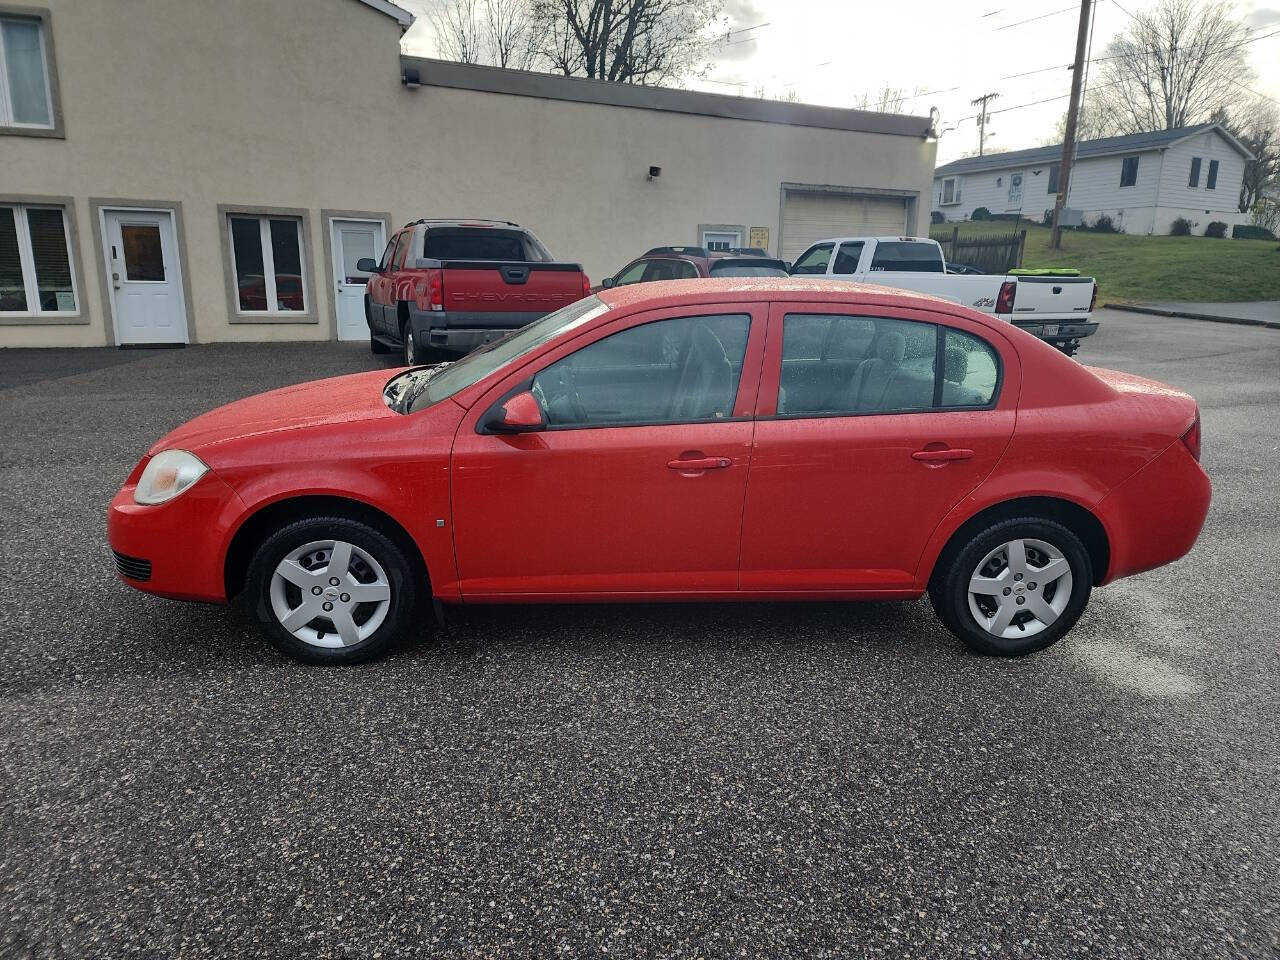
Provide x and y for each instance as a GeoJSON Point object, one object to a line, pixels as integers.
{"type": "Point", "coordinates": [706, 380]}
{"type": "Point", "coordinates": [870, 383]}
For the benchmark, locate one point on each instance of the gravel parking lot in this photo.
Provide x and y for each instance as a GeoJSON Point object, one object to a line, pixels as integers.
{"type": "Point", "coordinates": [660, 781]}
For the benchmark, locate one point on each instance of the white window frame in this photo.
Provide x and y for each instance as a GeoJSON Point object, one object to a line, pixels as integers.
{"type": "Point", "coordinates": [734, 241]}
{"type": "Point", "coordinates": [955, 192]}
{"type": "Point", "coordinates": [27, 260]}
{"type": "Point", "coordinates": [268, 264]}
{"type": "Point", "coordinates": [6, 102]}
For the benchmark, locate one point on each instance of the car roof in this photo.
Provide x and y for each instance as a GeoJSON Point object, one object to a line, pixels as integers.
{"type": "Point", "coordinates": [674, 293]}
{"type": "Point", "coordinates": [876, 239]}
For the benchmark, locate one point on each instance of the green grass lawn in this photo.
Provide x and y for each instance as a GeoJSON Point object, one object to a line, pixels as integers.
{"type": "Point", "coordinates": [1136, 268]}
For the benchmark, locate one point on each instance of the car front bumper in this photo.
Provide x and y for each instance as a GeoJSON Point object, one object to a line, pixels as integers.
{"type": "Point", "coordinates": [175, 549]}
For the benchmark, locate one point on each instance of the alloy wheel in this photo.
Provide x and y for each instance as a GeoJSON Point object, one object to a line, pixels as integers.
{"type": "Point", "coordinates": [330, 593]}
{"type": "Point", "coordinates": [1020, 588]}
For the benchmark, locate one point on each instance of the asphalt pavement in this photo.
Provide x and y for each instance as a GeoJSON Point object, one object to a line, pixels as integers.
{"type": "Point", "coordinates": [639, 781]}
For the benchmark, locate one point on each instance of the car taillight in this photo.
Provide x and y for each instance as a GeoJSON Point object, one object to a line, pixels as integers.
{"type": "Point", "coordinates": [1192, 437]}
{"type": "Point", "coordinates": [1093, 301]}
{"type": "Point", "coordinates": [586, 285]}
{"type": "Point", "coordinates": [1004, 301]}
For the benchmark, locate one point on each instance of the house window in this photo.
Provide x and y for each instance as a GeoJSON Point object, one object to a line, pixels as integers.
{"type": "Point", "coordinates": [1194, 180]}
{"type": "Point", "coordinates": [1054, 170]}
{"type": "Point", "coordinates": [950, 191]}
{"type": "Point", "coordinates": [721, 240]}
{"type": "Point", "coordinates": [35, 262]}
{"type": "Point", "coordinates": [1129, 172]}
{"type": "Point", "coordinates": [25, 98]}
{"type": "Point", "coordinates": [266, 257]}
{"type": "Point", "coordinates": [1211, 182]}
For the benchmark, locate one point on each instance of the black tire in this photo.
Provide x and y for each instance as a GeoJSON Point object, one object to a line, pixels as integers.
{"type": "Point", "coordinates": [405, 582]}
{"type": "Point", "coordinates": [949, 586]}
{"type": "Point", "coordinates": [1070, 347]}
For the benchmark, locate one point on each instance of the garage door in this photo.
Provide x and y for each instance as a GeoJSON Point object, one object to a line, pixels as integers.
{"type": "Point", "coordinates": [810, 217]}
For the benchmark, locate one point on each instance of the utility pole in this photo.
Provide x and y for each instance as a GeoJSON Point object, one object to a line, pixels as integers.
{"type": "Point", "coordinates": [982, 117]}
{"type": "Point", "coordinates": [1073, 115]}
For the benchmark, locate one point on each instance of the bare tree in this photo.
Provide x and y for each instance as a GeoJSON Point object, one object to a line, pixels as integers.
{"type": "Point", "coordinates": [888, 100]}
{"type": "Point", "coordinates": [508, 33]}
{"type": "Point", "coordinates": [626, 41]}
{"type": "Point", "coordinates": [1256, 124]}
{"type": "Point", "coordinates": [1174, 65]}
{"type": "Point", "coordinates": [457, 26]}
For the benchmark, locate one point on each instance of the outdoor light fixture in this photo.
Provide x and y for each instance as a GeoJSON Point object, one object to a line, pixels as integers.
{"type": "Point", "coordinates": [655, 173]}
{"type": "Point", "coordinates": [410, 78]}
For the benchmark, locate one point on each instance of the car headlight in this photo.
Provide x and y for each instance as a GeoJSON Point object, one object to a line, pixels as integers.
{"type": "Point", "coordinates": [168, 474]}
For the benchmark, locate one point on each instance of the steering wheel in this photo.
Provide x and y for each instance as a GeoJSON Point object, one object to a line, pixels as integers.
{"type": "Point", "coordinates": [558, 381]}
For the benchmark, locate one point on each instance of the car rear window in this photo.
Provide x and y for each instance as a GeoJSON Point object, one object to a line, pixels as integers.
{"type": "Point", "coordinates": [478, 244]}
{"type": "Point", "coordinates": [748, 267]}
{"type": "Point", "coordinates": [907, 257]}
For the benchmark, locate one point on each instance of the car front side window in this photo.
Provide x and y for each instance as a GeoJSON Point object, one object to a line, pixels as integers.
{"type": "Point", "coordinates": [814, 260]}
{"type": "Point", "coordinates": [680, 370]}
{"type": "Point", "coordinates": [632, 274]}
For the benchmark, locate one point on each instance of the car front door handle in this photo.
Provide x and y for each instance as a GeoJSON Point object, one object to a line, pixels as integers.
{"type": "Point", "coordinates": [945, 455]}
{"type": "Point", "coordinates": [699, 463]}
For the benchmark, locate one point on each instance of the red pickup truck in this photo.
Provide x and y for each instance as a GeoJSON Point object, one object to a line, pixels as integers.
{"type": "Point", "coordinates": [444, 287]}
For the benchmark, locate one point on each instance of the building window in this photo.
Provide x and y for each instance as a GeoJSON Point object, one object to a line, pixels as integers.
{"type": "Point", "coordinates": [35, 262]}
{"type": "Point", "coordinates": [25, 97]}
{"type": "Point", "coordinates": [950, 191]}
{"type": "Point", "coordinates": [1211, 182]}
{"type": "Point", "coordinates": [1054, 172]}
{"type": "Point", "coordinates": [721, 240]}
{"type": "Point", "coordinates": [1129, 172]}
{"type": "Point", "coordinates": [1194, 179]}
{"type": "Point", "coordinates": [266, 258]}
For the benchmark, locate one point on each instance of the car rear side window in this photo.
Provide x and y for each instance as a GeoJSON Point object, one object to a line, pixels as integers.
{"type": "Point", "coordinates": [682, 370]}
{"type": "Point", "coordinates": [839, 365]}
{"type": "Point", "coordinates": [970, 370]}
{"type": "Point", "coordinates": [907, 257]}
{"type": "Point", "coordinates": [814, 260]}
{"type": "Point", "coordinates": [848, 256]}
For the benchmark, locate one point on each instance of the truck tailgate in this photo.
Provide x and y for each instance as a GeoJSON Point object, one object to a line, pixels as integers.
{"type": "Point", "coordinates": [497, 294]}
{"type": "Point", "coordinates": [1052, 298]}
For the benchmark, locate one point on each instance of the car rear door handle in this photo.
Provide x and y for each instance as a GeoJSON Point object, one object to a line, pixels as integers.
{"type": "Point", "coordinates": [945, 455]}
{"type": "Point", "coordinates": [699, 463]}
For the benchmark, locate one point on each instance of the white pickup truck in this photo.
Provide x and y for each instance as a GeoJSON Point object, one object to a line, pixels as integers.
{"type": "Point", "coordinates": [1055, 308]}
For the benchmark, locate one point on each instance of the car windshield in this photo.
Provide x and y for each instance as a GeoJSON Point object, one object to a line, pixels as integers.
{"type": "Point", "coordinates": [748, 268]}
{"type": "Point", "coordinates": [417, 389]}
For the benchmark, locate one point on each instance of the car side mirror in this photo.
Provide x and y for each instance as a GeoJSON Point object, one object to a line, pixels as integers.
{"type": "Point", "coordinates": [367, 265]}
{"type": "Point", "coordinates": [518, 414]}
{"type": "Point", "coordinates": [607, 282]}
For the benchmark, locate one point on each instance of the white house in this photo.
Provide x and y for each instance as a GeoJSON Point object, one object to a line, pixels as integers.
{"type": "Point", "coordinates": [1143, 182]}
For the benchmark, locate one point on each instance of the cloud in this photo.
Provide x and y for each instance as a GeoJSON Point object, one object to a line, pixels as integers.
{"type": "Point", "coordinates": [1261, 17]}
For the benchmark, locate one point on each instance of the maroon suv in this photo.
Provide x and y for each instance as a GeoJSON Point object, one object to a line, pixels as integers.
{"type": "Point", "coordinates": [686, 263]}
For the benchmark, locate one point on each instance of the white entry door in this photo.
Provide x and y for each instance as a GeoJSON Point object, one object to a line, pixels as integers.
{"type": "Point", "coordinates": [146, 276]}
{"type": "Point", "coordinates": [353, 239]}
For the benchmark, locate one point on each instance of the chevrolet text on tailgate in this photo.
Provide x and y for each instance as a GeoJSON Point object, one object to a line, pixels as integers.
{"type": "Point", "coordinates": [1055, 308]}
{"type": "Point", "coordinates": [444, 287]}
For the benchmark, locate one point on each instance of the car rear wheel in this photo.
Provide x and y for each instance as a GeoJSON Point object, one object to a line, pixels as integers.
{"type": "Point", "coordinates": [332, 590]}
{"type": "Point", "coordinates": [410, 348]}
{"type": "Point", "coordinates": [1013, 588]}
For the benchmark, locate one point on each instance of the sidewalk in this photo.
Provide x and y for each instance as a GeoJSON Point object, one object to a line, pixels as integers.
{"type": "Point", "coordinates": [1257, 313]}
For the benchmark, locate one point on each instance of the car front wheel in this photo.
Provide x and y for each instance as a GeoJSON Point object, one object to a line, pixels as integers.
{"type": "Point", "coordinates": [1013, 588]}
{"type": "Point", "coordinates": [332, 590]}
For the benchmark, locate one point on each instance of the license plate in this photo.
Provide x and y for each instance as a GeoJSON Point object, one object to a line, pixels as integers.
{"type": "Point", "coordinates": [1050, 330]}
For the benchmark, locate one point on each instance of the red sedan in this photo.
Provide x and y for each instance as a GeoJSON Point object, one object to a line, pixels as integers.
{"type": "Point", "coordinates": [693, 440]}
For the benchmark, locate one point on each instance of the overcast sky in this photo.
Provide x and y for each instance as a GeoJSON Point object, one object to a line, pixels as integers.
{"type": "Point", "coordinates": [950, 51]}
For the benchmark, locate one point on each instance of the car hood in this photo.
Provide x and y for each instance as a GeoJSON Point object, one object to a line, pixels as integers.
{"type": "Point", "coordinates": [336, 400]}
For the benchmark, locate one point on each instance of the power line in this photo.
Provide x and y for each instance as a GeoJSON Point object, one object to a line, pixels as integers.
{"type": "Point", "coordinates": [1043, 16]}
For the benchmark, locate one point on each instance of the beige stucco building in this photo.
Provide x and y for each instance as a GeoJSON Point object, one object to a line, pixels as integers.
{"type": "Point", "coordinates": [185, 171]}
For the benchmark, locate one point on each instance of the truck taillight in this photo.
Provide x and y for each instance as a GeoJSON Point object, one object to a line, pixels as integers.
{"type": "Point", "coordinates": [432, 297]}
{"type": "Point", "coordinates": [586, 285]}
{"type": "Point", "coordinates": [1093, 301]}
{"type": "Point", "coordinates": [1004, 301]}
{"type": "Point", "coordinates": [1192, 437]}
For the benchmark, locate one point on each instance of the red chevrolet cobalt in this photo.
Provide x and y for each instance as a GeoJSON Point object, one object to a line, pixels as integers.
{"type": "Point", "coordinates": [751, 439]}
